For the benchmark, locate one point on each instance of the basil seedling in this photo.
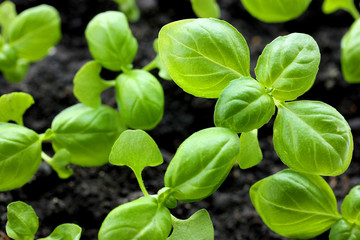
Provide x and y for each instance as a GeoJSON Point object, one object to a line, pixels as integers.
{"type": "Point", "coordinates": [139, 94]}
{"type": "Point", "coordinates": [300, 205]}
{"type": "Point", "coordinates": [199, 166]}
{"type": "Point", "coordinates": [26, 37]}
{"type": "Point", "coordinates": [23, 223]}
{"type": "Point", "coordinates": [209, 58]}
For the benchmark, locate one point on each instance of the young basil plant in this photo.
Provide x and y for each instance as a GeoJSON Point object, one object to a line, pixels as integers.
{"type": "Point", "coordinates": [26, 37]}
{"type": "Point", "coordinates": [139, 94]}
{"type": "Point", "coordinates": [205, 8]}
{"type": "Point", "coordinates": [300, 205]}
{"type": "Point", "coordinates": [23, 223]}
{"type": "Point", "coordinates": [199, 166]}
{"type": "Point", "coordinates": [209, 58]}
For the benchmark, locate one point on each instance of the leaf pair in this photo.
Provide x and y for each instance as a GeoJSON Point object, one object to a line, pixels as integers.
{"type": "Point", "coordinates": [23, 224]}
{"type": "Point", "coordinates": [299, 205]}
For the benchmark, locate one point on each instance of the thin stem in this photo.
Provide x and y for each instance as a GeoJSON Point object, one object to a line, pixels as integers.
{"type": "Point", "coordinates": [141, 183]}
{"type": "Point", "coordinates": [46, 157]}
{"type": "Point", "coordinates": [152, 65]}
{"type": "Point", "coordinates": [353, 11]}
{"type": "Point", "coordinates": [110, 83]}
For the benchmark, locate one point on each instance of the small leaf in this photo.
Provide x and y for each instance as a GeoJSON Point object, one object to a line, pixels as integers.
{"type": "Point", "coordinates": [295, 205]}
{"type": "Point", "coordinates": [18, 72]}
{"type": "Point", "coordinates": [34, 31]}
{"type": "Point", "coordinates": [140, 99]}
{"type": "Point", "coordinates": [206, 8]}
{"type": "Point", "coordinates": [343, 230]}
{"type": "Point", "coordinates": [158, 63]}
{"type": "Point", "coordinates": [60, 163]}
{"type": "Point", "coordinates": [88, 85]}
{"type": "Point", "coordinates": [202, 56]}
{"type": "Point", "coordinates": [20, 155]}
{"type": "Point", "coordinates": [288, 65]}
{"type": "Point", "coordinates": [110, 41]}
{"type": "Point", "coordinates": [13, 106]}
{"type": "Point", "coordinates": [276, 11]}
{"type": "Point", "coordinates": [243, 106]}
{"type": "Point", "coordinates": [22, 223]}
{"type": "Point", "coordinates": [350, 53]}
{"type": "Point", "coordinates": [141, 219]}
{"type": "Point", "coordinates": [312, 137]}
{"type": "Point", "coordinates": [8, 56]}
{"type": "Point", "coordinates": [65, 231]}
{"type": "Point", "coordinates": [130, 9]}
{"type": "Point", "coordinates": [7, 15]}
{"type": "Point", "coordinates": [197, 227]}
{"type": "Point", "coordinates": [87, 133]}
{"type": "Point", "coordinates": [250, 153]}
{"type": "Point", "coordinates": [330, 6]}
{"type": "Point", "coordinates": [350, 207]}
{"type": "Point", "coordinates": [201, 163]}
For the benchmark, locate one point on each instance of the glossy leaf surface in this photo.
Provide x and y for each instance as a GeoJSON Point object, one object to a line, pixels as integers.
{"type": "Point", "coordinates": [34, 31]}
{"type": "Point", "coordinates": [350, 54]}
{"type": "Point", "coordinates": [22, 223]}
{"type": "Point", "coordinates": [288, 65]}
{"type": "Point", "coordinates": [343, 230]}
{"type": "Point", "coordinates": [13, 106]}
{"type": "Point", "coordinates": [197, 227]}
{"type": "Point", "coordinates": [140, 99]}
{"type": "Point", "coordinates": [206, 8]}
{"type": "Point", "coordinates": [87, 133]}
{"type": "Point", "coordinates": [243, 106]}
{"type": "Point", "coordinates": [20, 155]}
{"type": "Point", "coordinates": [312, 137]}
{"type": "Point", "coordinates": [202, 56]}
{"type": "Point", "coordinates": [142, 219]}
{"type": "Point", "coordinates": [88, 85]}
{"type": "Point", "coordinates": [65, 231]}
{"type": "Point", "coordinates": [250, 152]}
{"type": "Point", "coordinates": [202, 163]}
{"type": "Point", "coordinates": [295, 205]}
{"type": "Point", "coordinates": [110, 41]}
{"type": "Point", "coordinates": [350, 207]}
{"type": "Point", "coordinates": [275, 10]}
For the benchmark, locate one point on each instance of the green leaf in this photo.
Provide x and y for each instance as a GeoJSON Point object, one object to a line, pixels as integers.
{"type": "Point", "coordinates": [8, 57]}
{"type": "Point", "coordinates": [272, 11]}
{"type": "Point", "coordinates": [312, 137]}
{"type": "Point", "coordinates": [22, 223]}
{"type": "Point", "coordinates": [13, 106]}
{"type": "Point", "coordinates": [350, 207]}
{"type": "Point", "coordinates": [350, 53]}
{"type": "Point", "coordinates": [250, 152]}
{"type": "Point", "coordinates": [34, 31]}
{"type": "Point", "coordinates": [110, 41]}
{"type": "Point", "coordinates": [20, 155]}
{"type": "Point", "coordinates": [295, 205]}
{"type": "Point", "coordinates": [60, 163]}
{"type": "Point", "coordinates": [206, 8]}
{"type": "Point", "coordinates": [18, 72]}
{"type": "Point", "coordinates": [142, 219]}
{"type": "Point", "coordinates": [140, 99]}
{"type": "Point", "coordinates": [158, 63]}
{"type": "Point", "coordinates": [330, 6]}
{"type": "Point", "coordinates": [243, 106]}
{"type": "Point", "coordinates": [343, 230]}
{"type": "Point", "coordinates": [7, 15]}
{"type": "Point", "coordinates": [288, 66]}
{"type": "Point", "coordinates": [88, 85]}
{"type": "Point", "coordinates": [65, 231]}
{"type": "Point", "coordinates": [130, 9]}
{"type": "Point", "coordinates": [202, 56]}
{"type": "Point", "coordinates": [202, 163]}
{"type": "Point", "coordinates": [87, 133]}
{"type": "Point", "coordinates": [197, 227]}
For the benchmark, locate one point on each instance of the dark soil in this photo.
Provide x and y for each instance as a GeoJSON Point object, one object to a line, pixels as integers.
{"type": "Point", "coordinates": [88, 196]}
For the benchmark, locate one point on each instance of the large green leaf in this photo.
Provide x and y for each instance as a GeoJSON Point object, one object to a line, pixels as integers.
{"type": "Point", "coordinates": [13, 106]}
{"type": "Point", "coordinates": [350, 207]}
{"type": "Point", "coordinates": [288, 65]}
{"type": "Point", "coordinates": [20, 155]}
{"type": "Point", "coordinates": [276, 10]}
{"type": "Point", "coordinates": [197, 227]}
{"type": "Point", "coordinates": [22, 223]}
{"type": "Point", "coordinates": [201, 163]}
{"type": "Point", "coordinates": [206, 8]}
{"type": "Point", "coordinates": [34, 31]}
{"type": "Point", "coordinates": [140, 99]}
{"type": "Point", "coordinates": [295, 205]}
{"type": "Point", "coordinates": [343, 230]}
{"type": "Point", "coordinates": [110, 41]}
{"type": "Point", "coordinates": [87, 133]}
{"type": "Point", "coordinates": [313, 137]}
{"type": "Point", "coordinates": [65, 231]}
{"type": "Point", "coordinates": [243, 106]}
{"type": "Point", "coordinates": [350, 53]}
{"type": "Point", "coordinates": [142, 219]}
{"type": "Point", "coordinates": [202, 56]}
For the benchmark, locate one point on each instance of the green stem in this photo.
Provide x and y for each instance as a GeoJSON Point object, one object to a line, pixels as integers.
{"type": "Point", "coordinates": [110, 83]}
{"type": "Point", "coordinates": [152, 65]}
{"type": "Point", "coordinates": [46, 157]}
{"type": "Point", "coordinates": [353, 11]}
{"type": "Point", "coordinates": [141, 183]}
